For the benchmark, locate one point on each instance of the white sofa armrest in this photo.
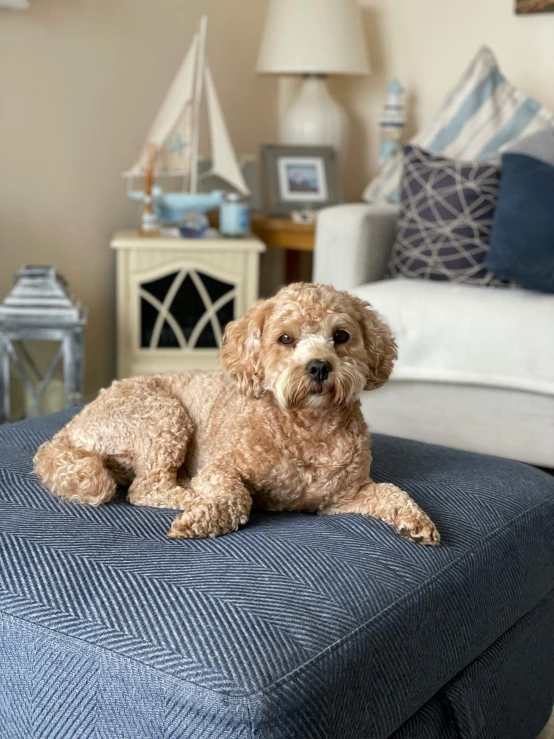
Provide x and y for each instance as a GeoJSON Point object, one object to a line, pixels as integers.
{"type": "Point", "coordinates": [353, 244]}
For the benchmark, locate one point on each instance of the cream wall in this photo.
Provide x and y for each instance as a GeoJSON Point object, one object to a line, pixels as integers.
{"type": "Point", "coordinates": [80, 82]}
{"type": "Point", "coordinates": [427, 44]}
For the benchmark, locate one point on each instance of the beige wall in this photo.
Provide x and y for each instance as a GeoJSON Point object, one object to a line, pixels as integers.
{"type": "Point", "coordinates": [80, 82]}
{"type": "Point", "coordinates": [427, 44]}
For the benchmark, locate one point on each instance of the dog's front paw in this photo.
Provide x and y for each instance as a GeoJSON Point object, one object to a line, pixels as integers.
{"type": "Point", "coordinates": [415, 525]}
{"type": "Point", "coordinates": [210, 519]}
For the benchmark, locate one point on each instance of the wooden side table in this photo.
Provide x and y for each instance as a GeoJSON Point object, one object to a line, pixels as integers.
{"type": "Point", "coordinates": [282, 233]}
{"type": "Point", "coordinates": [175, 297]}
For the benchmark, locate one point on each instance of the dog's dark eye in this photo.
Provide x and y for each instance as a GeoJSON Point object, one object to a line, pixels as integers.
{"type": "Point", "coordinates": [341, 337]}
{"type": "Point", "coordinates": [286, 340]}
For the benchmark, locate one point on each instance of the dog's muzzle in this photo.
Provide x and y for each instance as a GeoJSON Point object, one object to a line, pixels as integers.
{"type": "Point", "coordinates": [319, 370]}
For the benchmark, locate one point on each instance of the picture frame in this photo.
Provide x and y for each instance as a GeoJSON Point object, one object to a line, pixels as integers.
{"type": "Point", "coordinates": [299, 178]}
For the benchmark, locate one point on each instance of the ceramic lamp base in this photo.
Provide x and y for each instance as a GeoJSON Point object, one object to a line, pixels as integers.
{"type": "Point", "coordinates": [315, 118]}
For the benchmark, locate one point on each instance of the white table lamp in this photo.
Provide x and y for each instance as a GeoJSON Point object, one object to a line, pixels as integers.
{"type": "Point", "coordinates": [314, 38]}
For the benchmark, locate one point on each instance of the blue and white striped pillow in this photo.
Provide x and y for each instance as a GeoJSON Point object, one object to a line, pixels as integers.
{"type": "Point", "coordinates": [482, 116]}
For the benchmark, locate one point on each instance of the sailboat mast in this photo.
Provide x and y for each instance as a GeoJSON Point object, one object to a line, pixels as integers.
{"type": "Point", "coordinates": [197, 100]}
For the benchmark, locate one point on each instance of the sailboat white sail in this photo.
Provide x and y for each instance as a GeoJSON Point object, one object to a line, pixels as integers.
{"type": "Point", "coordinates": [224, 162]}
{"type": "Point", "coordinates": [175, 136]}
{"type": "Point", "coordinates": [172, 128]}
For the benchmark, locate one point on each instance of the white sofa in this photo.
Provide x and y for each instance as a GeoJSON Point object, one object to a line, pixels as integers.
{"type": "Point", "coordinates": [476, 365]}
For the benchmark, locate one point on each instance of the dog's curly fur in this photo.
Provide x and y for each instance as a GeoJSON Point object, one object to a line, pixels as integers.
{"type": "Point", "coordinates": [263, 432]}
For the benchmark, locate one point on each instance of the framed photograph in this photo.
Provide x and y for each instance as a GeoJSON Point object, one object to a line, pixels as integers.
{"type": "Point", "coordinates": [534, 6]}
{"type": "Point", "coordinates": [299, 178]}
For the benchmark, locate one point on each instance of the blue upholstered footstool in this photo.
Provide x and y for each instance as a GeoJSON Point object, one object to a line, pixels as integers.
{"type": "Point", "coordinates": [296, 627]}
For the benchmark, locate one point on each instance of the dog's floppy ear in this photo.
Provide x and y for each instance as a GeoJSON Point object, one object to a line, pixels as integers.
{"type": "Point", "coordinates": [379, 344]}
{"type": "Point", "coordinates": [241, 351]}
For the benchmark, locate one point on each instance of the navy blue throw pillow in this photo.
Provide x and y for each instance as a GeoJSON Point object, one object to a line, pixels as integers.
{"type": "Point", "coordinates": [522, 239]}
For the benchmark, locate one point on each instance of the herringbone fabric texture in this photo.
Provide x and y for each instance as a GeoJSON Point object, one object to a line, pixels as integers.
{"type": "Point", "coordinates": [296, 627]}
{"type": "Point", "coordinates": [445, 219]}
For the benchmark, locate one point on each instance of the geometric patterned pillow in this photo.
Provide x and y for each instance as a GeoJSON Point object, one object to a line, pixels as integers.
{"type": "Point", "coordinates": [445, 221]}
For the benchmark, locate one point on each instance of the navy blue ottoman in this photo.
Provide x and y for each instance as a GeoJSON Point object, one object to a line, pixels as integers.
{"type": "Point", "coordinates": [296, 627]}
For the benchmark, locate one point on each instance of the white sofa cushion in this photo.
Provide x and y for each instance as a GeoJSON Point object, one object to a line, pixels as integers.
{"type": "Point", "coordinates": [495, 337]}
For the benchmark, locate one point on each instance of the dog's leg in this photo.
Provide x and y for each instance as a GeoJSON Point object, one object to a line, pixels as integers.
{"type": "Point", "coordinates": [392, 505]}
{"type": "Point", "coordinates": [218, 503]}
{"type": "Point", "coordinates": [133, 429]}
{"type": "Point", "coordinates": [160, 452]}
{"type": "Point", "coordinates": [156, 483]}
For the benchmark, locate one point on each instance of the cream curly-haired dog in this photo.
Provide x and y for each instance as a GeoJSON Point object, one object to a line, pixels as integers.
{"type": "Point", "coordinates": [280, 428]}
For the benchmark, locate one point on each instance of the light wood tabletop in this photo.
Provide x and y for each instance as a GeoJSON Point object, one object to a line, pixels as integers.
{"type": "Point", "coordinates": [282, 233]}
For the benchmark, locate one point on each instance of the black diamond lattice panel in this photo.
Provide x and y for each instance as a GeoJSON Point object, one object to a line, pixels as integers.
{"type": "Point", "coordinates": [186, 309]}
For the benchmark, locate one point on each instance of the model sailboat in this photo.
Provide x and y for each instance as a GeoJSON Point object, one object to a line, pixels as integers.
{"type": "Point", "coordinates": [175, 135]}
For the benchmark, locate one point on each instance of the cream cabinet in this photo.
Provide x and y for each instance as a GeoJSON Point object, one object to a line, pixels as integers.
{"type": "Point", "coordinates": [175, 297]}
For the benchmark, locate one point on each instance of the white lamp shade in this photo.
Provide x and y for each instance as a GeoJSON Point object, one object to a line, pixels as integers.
{"type": "Point", "coordinates": [313, 37]}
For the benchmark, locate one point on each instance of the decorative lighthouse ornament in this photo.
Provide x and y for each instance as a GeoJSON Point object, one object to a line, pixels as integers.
{"type": "Point", "coordinates": [393, 121]}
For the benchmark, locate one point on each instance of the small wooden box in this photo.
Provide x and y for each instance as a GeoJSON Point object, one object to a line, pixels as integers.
{"type": "Point", "coordinates": [175, 297]}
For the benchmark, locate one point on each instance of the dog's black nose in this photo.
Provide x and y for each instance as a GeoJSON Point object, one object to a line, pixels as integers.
{"type": "Point", "coordinates": [319, 370]}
